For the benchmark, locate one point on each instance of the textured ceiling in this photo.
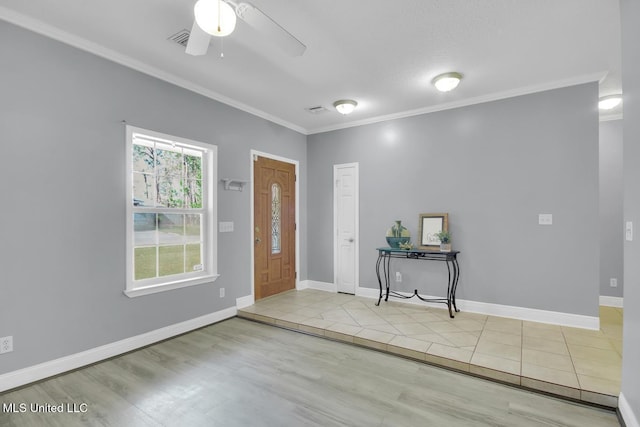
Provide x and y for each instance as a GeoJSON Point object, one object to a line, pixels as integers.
{"type": "Point", "coordinates": [381, 53]}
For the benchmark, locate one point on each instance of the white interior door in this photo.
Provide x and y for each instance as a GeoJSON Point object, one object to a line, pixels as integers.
{"type": "Point", "coordinates": [345, 204]}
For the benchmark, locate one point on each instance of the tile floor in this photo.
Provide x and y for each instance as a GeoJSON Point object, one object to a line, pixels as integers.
{"type": "Point", "coordinates": [575, 363]}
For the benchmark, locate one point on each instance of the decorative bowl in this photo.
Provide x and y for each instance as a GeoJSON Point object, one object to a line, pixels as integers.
{"type": "Point", "coordinates": [394, 242]}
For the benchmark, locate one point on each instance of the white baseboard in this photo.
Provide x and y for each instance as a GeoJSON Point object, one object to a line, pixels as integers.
{"type": "Point", "coordinates": [611, 301]}
{"type": "Point", "coordinates": [74, 361]}
{"type": "Point", "coordinates": [320, 286]}
{"type": "Point", "coordinates": [531, 314]}
{"type": "Point", "coordinates": [626, 411]}
{"type": "Point", "coordinates": [243, 302]}
{"type": "Point", "coordinates": [522, 313]}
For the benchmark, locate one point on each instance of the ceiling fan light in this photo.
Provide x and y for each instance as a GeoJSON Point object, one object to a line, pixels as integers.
{"type": "Point", "coordinates": [345, 106]}
{"type": "Point", "coordinates": [447, 82]}
{"type": "Point", "coordinates": [215, 17]}
{"type": "Point", "coordinates": [609, 102]}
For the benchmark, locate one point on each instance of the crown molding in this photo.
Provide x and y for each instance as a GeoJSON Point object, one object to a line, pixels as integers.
{"type": "Point", "coordinates": [62, 36]}
{"type": "Point", "coordinates": [527, 90]}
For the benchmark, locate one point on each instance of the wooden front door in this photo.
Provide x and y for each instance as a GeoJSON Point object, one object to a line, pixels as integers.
{"type": "Point", "coordinates": [274, 193]}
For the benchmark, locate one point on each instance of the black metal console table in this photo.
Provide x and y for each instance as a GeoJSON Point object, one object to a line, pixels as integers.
{"type": "Point", "coordinates": [450, 258]}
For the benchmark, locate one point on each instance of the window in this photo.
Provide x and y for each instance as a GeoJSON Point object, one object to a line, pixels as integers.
{"type": "Point", "coordinates": [171, 239]}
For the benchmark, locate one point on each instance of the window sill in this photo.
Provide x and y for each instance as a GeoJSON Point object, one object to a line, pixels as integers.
{"type": "Point", "coordinates": [153, 289]}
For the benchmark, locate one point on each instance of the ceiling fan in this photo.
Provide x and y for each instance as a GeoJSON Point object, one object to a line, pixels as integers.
{"type": "Point", "coordinates": [218, 18]}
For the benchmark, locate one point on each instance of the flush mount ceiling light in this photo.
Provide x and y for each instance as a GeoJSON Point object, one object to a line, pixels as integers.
{"type": "Point", "coordinates": [447, 81]}
{"type": "Point", "coordinates": [345, 106]}
{"type": "Point", "coordinates": [609, 102]}
{"type": "Point", "coordinates": [215, 17]}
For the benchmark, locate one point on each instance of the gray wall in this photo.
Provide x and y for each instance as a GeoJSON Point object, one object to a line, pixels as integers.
{"type": "Point", "coordinates": [611, 198]}
{"type": "Point", "coordinates": [630, 13]}
{"type": "Point", "coordinates": [493, 167]}
{"type": "Point", "coordinates": [62, 181]}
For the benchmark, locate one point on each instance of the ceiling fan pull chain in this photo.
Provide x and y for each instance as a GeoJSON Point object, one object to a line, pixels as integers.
{"type": "Point", "coordinates": [219, 14]}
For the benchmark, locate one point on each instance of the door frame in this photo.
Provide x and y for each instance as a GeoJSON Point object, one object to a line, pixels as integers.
{"type": "Point", "coordinates": [296, 163]}
{"type": "Point", "coordinates": [356, 247]}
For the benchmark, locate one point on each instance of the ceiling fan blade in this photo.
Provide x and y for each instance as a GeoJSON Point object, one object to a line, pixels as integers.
{"type": "Point", "coordinates": [198, 41]}
{"type": "Point", "coordinates": [270, 29]}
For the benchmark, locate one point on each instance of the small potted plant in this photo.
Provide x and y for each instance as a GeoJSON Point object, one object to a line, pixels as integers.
{"type": "Point", "coordinates": [445, 240]}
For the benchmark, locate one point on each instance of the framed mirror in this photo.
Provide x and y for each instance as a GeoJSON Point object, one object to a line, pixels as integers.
{"type": "Point", "coordinates": [429, 225]}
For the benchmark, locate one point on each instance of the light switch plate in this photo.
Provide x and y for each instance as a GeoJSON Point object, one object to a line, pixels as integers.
{"type": "Point", "coordinates": [629, 231]}
{"type": "Point", "coordinates": [545, 219]}
{"type": "Point", "coordinates": [225, 227]}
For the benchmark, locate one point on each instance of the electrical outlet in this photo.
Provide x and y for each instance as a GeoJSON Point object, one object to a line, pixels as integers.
{"type": "Point", "coordinates": [613, 282]}
{"type": "Point", "coordinates": [6, 344]}
{"type": "Point", "coordinates": [398, 277]}
{"type": "Point", "coordinates": [221, 292]}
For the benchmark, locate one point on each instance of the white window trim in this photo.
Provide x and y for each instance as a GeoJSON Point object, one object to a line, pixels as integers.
{"type": "Point", "coordinates": [209, 181]}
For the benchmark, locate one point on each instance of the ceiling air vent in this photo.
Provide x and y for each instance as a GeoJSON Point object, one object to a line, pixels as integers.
{"type": "Point", "coordinates": [181, 37]}
{"type": "Point", "coordinates": [316, 110]}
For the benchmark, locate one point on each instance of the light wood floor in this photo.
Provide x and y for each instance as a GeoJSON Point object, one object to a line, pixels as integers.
{"type": "Point", "coordinates": [242, 373]}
